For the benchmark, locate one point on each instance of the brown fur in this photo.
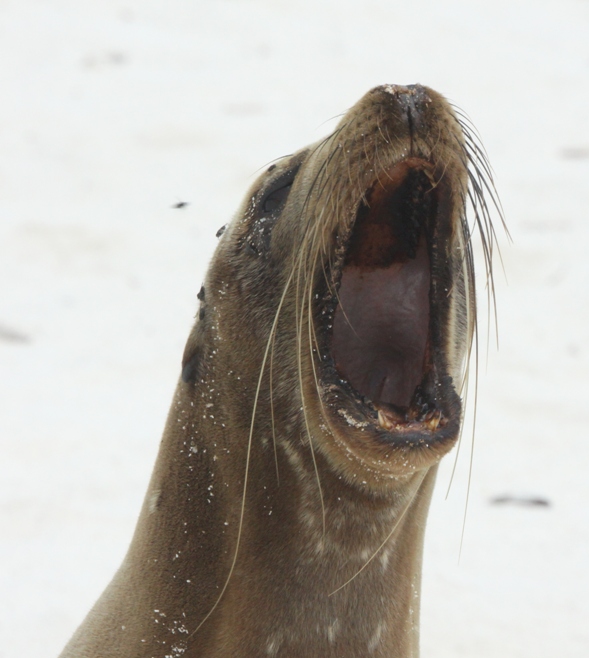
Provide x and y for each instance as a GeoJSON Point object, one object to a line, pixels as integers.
{"type": "Point", "coordinates": [280, 519]}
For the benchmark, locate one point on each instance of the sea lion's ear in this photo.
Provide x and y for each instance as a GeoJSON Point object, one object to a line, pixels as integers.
{"type": "Point", "coordinates": [193, 352]}
{"type": "Point", "coordinates": [191, 360]}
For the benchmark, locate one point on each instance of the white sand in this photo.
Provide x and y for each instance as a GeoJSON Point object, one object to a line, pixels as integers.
{"type": "Point", "coordinates": [112, 111]}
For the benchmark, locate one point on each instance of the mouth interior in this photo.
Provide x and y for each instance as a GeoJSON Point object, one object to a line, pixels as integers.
{"type": "Point", "coordinates": [381, 325]}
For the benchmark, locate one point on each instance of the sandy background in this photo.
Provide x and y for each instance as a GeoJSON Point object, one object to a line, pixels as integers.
{"type": "Point", "coordinates": [111, 112]}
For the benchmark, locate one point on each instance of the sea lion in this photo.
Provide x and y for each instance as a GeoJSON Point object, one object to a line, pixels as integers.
{"type": "Point", "coordinates": [320, 387]}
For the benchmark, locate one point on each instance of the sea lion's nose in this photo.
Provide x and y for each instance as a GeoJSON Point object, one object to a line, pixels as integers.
{"type": "Point", "coordinates": [408, 102]}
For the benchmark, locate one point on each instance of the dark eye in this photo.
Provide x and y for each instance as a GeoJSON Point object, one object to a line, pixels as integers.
{"type": "Point", "coordinates": [269, 207]}
{"type": "Point", "coordinates": [276, 199]}
{"type": "Point", "coordinates": [276, 195]}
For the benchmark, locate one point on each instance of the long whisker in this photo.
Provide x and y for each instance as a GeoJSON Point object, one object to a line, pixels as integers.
{"type": "Point", "coordinates": [248, 454]}
{"type": "Point", "coordinates": [471, 456]}
{"type": "Point", "coordinates": [400, 517]}
{"type": "Point", "coordinates": [480, 185]}
{"type": "Point", "coordinates": [299, 330]}
{"type": "Point", "coordinates": [472, 329]}
{"type": "Point", "coordinates": [272, 420]}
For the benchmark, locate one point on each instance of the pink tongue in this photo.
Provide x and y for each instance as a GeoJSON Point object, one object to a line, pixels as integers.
{"type": "Point", "coordinates": [381, 327]}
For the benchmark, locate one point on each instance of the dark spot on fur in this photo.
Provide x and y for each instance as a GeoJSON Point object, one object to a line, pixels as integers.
{"type": "Point", "coordinates": [157, 500]}
{"type": "Point", "coordinates": [201, 313]}
{"type": "Point", "coordinates": [251, 248]}
{"type": "Point", "coordinates": [220, 232]}
{"type": "Point", "coordinates": [201, 294]}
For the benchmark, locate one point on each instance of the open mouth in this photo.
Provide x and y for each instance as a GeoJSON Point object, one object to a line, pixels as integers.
{"type": "Point", "coordinates": [385, 337]}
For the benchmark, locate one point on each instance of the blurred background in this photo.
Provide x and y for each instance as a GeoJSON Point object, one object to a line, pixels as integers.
{"type": "Point", "coordinates": [114, 112]}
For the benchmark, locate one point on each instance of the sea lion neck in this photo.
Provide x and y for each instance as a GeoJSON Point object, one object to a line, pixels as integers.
{"type": "Point", "coordinates": [318, 558]}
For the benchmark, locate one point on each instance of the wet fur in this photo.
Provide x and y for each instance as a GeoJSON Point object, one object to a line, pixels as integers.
{"type": "Point", "coordinates": [272, 526]}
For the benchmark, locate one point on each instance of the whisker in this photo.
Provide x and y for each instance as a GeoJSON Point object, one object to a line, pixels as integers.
{"type": "Point", "coordinates": [401, 516]}
{"type": "Point", "coordinates": [248, 456]}
{"type": "Point", "coordinates": [299, 329]}
{"type": "Point", "coordinates": [272, 420]}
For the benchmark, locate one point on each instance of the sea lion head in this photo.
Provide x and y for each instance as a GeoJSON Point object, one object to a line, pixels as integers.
{"type": "Point", "coordinates": [341, 297]}
{"type": "Point", "coordinates": [321, 385]}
